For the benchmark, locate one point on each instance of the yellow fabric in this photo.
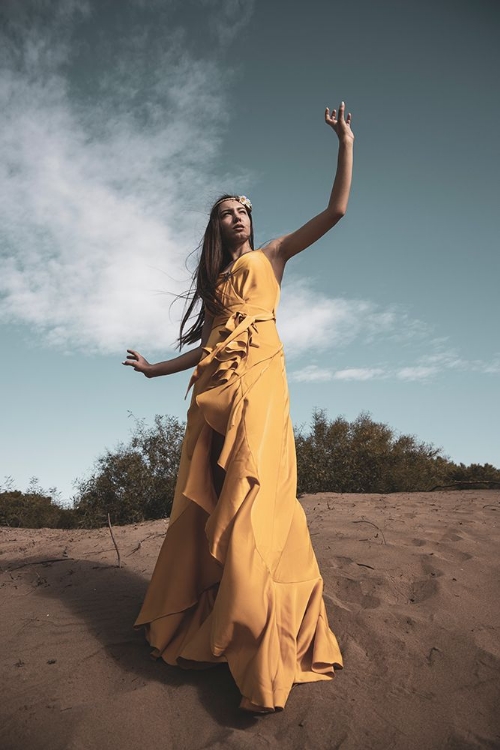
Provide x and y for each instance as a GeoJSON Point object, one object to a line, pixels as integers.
{"type": "Point", "coordinates": [237, 579]}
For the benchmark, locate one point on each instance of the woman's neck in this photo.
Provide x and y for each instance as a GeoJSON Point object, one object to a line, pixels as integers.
{"type": "Point", "coordinates": [237, 250]}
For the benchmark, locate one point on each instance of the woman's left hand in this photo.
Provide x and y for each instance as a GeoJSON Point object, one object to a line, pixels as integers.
{"type": "Point", "coordinates": [341, 125]}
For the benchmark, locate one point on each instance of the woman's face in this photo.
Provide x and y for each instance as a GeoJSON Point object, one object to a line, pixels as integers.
{"type": "Point", "coordinates": [234, 222]}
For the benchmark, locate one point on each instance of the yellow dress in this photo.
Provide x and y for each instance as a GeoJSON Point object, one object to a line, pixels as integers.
{"type": "Point", "coordinates": [237, 579]}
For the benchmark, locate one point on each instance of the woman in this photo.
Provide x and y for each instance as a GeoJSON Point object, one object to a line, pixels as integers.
{"type": "Point", "coordinates": [236, 580]}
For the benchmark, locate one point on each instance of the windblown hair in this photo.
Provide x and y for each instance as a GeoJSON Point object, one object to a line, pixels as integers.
{"type": "Point", "coordinates": [214, 257]}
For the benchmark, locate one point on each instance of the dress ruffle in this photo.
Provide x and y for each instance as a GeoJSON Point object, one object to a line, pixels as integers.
{"type": "Point", "coordinates": [237, 335]}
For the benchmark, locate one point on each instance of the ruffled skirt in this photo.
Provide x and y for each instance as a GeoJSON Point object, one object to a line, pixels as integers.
{"type": "Point", "coordinates": [237, 580]}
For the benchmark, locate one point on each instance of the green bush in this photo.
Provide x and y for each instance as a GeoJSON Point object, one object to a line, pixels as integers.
{"type": "Point", "coordinates": [364, 456]}
{"type": "Point", "coordinates": [473, 476]}
{"type": "Point", "coordinates": [135, 482]}
{"type": "Point", "coordinates": [34, 510]}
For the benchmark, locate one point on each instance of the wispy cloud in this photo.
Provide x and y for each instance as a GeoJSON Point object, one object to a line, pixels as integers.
{"type": "Point", "coordinates": [311, 374]}
{"type": "Point", "coordinates": [100, 181]}
{"type": "Point", "coordinates": [359, 373]}
{"type": "Point", "coordinates": [417, 372]}
{"type": "Point", "coordinates": [312, 324]}
{"type": "Point", "coordinates": [425, 369]}
{"type": "Point", "coordinates": [315, 374]}
{"type": "Point", "coordinates": [310, 321]}
{"type": "Point", "coordinates": [228, 19]}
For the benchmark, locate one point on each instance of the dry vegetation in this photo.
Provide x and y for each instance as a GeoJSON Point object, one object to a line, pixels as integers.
{"type": "Point", "coordinates": [136, 481]}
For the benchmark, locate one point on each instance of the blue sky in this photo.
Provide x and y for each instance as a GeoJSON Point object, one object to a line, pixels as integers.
{"type": "Point", "coordinates": [120, 123]}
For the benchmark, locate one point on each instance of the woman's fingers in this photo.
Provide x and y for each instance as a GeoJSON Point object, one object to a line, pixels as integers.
{"type": "Point", "coordinates": [133, 358]}
{"type": "Point", "coordinates": [330, 118]}
{"type": "Point", "coordinates": [340, 123]}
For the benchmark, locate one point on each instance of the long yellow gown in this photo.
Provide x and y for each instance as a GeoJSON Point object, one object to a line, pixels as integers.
{"type": "Point", "coordinates": [237, 580]}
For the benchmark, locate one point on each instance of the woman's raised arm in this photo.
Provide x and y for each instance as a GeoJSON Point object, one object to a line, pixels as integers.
{"type": "Point", "coordinates": [283, 248]}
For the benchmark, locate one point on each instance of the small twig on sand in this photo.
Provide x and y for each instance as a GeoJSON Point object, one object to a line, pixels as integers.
{"type": "Point", "coordinates": [365, 565]}
{"type": "Point", "coordinates": [372, 524]}
{"type": "Point", "coordinates": [138, 547]}
{"type": "Point", "coordinates": [114, 542]}
{"type": "Point", "coordinates": [149, 536]}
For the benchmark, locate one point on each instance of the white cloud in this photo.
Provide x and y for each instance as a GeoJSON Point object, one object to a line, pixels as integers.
{"type": "Point", "coordinates": [97, 194]}
{"type": "Point", "coordinates": [491, 368]}
{"type": "Point", "coordinates": [419, 372]}
{"type": "Point", "coordinates": [309, 320]}
{"type": "Point", "coordinates": [423, 370]}
{"type": "Point", "coordinates": [313, 373]}
{"type": "Point", "coordinates": [443, 360]}
{"type": "Point", "coordinates": [359, 373]}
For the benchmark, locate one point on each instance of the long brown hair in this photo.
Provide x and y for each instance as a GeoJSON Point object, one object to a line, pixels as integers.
{"type": "Point", "coordinates": [214, 257]}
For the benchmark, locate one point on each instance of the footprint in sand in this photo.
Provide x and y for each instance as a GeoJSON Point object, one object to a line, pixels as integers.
{"type": "Point", "coordinates": [449, 554]}
{"type": "Point", "coordinates": [451, 536]}
{"type": "Point", "coordinates": [352, 591]}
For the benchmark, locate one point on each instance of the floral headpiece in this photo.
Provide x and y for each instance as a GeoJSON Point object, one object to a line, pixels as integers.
{"type": "Point", "coordinates": [246, 202]}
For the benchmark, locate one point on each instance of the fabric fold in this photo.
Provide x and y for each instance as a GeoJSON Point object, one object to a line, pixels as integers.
{"type": "Point", "coordinates": [237, 336]}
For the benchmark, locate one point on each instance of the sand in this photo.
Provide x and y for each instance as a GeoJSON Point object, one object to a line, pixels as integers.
{"type": "Point", "coordinates": [412, 591]}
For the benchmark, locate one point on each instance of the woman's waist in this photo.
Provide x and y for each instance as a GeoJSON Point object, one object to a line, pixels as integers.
{"type": "Point", "coordinates": [236, 343]}
{"type": "Point", "coordinates": [259, 331]}
{"type": "Point", "coordinates": [236, 315]}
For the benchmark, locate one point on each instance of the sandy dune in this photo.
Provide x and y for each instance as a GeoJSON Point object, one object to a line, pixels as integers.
{"type": "Point", "coordinates": [412, 590]}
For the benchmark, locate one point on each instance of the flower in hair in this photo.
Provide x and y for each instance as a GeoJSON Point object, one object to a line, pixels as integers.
{"type": "Point", "coordinates": [245, 202]}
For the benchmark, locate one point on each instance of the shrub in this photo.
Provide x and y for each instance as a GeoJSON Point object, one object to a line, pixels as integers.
{"type": "Point", "coordinates": [364, 456]}
{"type": "Point", "coordinates": [136, 482]}
{"type": "Point", "coordinates": [473, 476]}
{"type": "Point", "coordinates": [33, 510]}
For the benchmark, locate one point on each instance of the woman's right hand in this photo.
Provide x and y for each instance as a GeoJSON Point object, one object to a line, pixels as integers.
{"type": "Point", "coordinates": [138, 362]}
{"type": "Point", "coordinates": [341, 125]}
